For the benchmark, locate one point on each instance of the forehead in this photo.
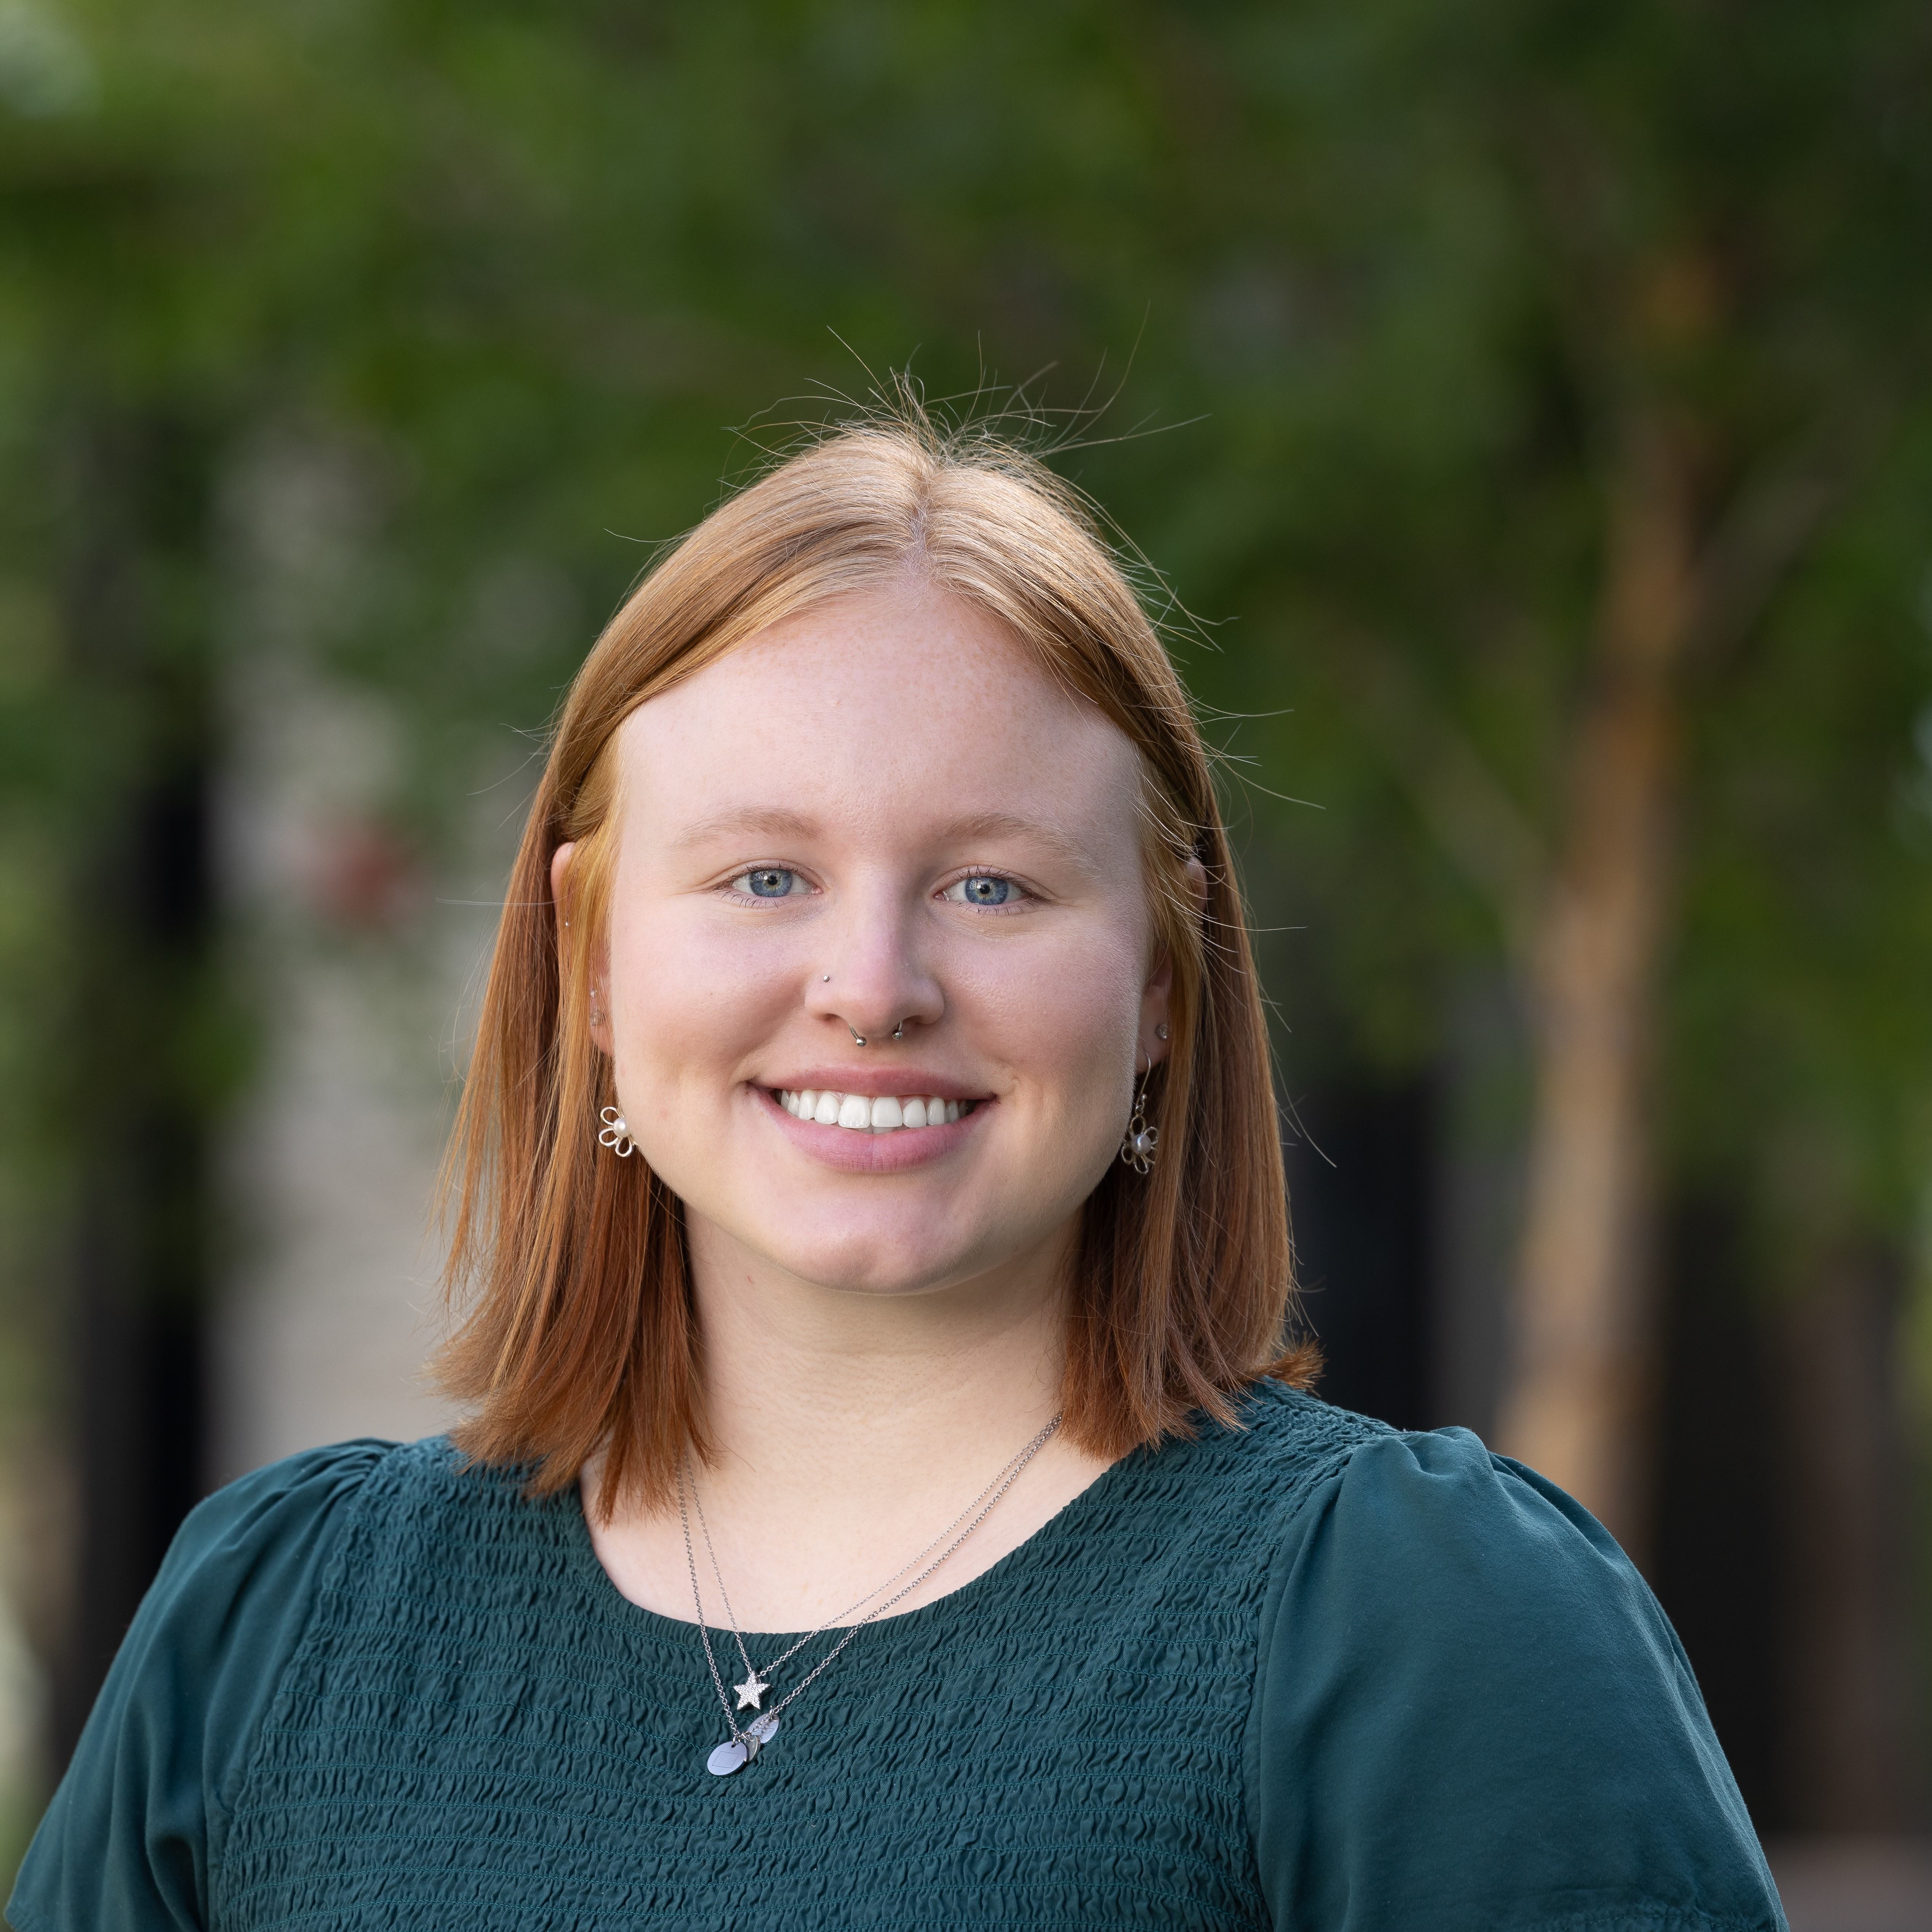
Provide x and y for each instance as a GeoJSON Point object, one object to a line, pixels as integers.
{"type": "Point", "coordinates": [902, 706]}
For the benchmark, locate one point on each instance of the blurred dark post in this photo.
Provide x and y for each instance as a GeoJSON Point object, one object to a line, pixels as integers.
{"type": "Point", "coordinates": [1360, 1188]}
{"type": "Point", "coordinates": [141, 1080]}
{"type": "Point", "coordinates": [1721, 1507]}
{"type": "Point", "coordinates": [1854, 1702]}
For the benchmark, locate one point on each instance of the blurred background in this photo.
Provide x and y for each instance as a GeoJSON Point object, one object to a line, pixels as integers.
{"type": "Point", "coordinates": [1531, 403]}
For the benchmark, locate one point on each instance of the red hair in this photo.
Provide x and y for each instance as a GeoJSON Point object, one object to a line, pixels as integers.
{"type": "Point", "coordinates": [582, 1335]}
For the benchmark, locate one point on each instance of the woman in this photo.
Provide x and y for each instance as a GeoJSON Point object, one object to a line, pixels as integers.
{"type": "Point", "coordinates": [870, 1184]}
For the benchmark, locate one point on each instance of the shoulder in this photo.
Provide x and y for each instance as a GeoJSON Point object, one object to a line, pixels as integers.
{"type": "Point", "coordinates": [1319, 1495]}
{"type": "Point", "coordinates": [239, 1577]}
{"type": "Point", "coordinates": [1220, 1498]}
{"type": "Point", "coordinates": [425, 1510]}
{"type": "Point", "coordinates": [243, 1571]}
{"type": "Point", "coordinates": [1404, 1517]}
{"type": "Point", "coordinates": [1447, 1517]}
{"type": "Point", "coordinates": [1467, 1698]}
{"type": "Point", "coordinates": [285, 1548]}
{"type": "Point", "coordinates": [244, 1566]}
{"type": "Point", "coordinates": [295, 1500]}
{"type": "Point", "coordinates": [1280, 1445]}
{"type": "Point", "coordinates": [1427, 1525]}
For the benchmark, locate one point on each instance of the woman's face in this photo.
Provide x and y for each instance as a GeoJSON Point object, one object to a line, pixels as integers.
{"type": "Point", "coordinates": [879, 815]}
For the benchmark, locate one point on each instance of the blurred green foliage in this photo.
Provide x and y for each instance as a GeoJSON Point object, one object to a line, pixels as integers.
{"type": "Point", "coordinates": [1365, 290]}
{"type": "Point", "coordinates": [1342, 307]}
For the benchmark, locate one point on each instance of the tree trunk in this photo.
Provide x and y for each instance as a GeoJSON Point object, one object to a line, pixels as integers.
{"type": "Point", "coordinates": [1578, 1389]}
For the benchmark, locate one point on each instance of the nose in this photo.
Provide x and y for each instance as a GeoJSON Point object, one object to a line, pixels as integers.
{"type": "Point", "coordinates": [871, 980]}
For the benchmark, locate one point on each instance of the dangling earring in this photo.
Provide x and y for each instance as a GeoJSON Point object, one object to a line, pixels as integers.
{"type": "Point", "coordinates": [617, 1134]}
{"type": "Point", "coordinates": [1140, 1145]}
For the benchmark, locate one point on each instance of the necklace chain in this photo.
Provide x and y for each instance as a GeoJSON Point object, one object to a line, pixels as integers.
{"type": "Point", "coordinates": [1012, 1468]}
{"type": "Point", "coordinates": [978, 1511]}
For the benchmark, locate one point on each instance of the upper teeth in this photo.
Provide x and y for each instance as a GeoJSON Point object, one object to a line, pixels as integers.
{"type": "Point", "coordinates": [865, 1115]}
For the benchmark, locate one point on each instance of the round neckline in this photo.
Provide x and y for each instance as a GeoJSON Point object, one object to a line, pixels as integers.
{"type": "Point", "coordinates": [1022, 1556]}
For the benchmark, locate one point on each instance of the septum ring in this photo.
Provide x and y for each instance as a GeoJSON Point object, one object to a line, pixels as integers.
{"type": "Point", "coordinates": [860, 1040]}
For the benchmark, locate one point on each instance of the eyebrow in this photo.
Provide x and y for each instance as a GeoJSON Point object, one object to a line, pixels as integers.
{"type": "Point", "coordinates": [1009, 825]}
{"type": "Point", "coordinates": [778, 824]}
{"type": "Point", "coordinates": [773, 822]}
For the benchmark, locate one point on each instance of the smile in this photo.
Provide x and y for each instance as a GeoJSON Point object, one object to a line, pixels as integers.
{"type": "Point", "coordinates": [865, 1114]}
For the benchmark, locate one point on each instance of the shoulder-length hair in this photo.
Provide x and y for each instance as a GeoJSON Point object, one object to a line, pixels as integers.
{"type": "Point", "coordinates": [581, 1336]}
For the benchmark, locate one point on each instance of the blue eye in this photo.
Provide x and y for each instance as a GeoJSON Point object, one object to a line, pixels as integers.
{"type": "Point", "coordinates": [768, 882]}
{"type": "Point", "coordinates": [983, 889]}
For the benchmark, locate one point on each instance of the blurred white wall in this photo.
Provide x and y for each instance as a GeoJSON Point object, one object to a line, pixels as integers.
{"type": "Point", "coordinates": [330, 1305]}
{"type": "Point", "coordinates": [357, 964]}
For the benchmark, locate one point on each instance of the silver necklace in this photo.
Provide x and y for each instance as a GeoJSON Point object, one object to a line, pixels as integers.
{"type": "Point", "coordinates": [745, 1743]}
{"type": "Point", "coordinates": [752, 1690]}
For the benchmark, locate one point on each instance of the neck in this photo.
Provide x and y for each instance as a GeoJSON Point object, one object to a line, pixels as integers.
{"type": "Point", "coordinates": [847, 1430]}
{"type": "Point", "coordinates": [807, 1385]}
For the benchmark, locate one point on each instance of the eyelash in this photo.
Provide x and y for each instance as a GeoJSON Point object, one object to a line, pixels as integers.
{"type": "Point", "coordinates": [729, 888]}
{"type": "Point", "coordinates": [1027, 895]}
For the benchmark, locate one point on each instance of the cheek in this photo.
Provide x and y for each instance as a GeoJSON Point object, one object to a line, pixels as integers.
{"type": "Point", "coordinates": [1066, 1018]}
{"type": "Point", "coordinates": [681, 993]}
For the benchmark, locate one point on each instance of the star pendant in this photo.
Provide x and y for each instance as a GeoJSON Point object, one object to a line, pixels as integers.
{"type": "Point", "coordinates": [750, 1691]}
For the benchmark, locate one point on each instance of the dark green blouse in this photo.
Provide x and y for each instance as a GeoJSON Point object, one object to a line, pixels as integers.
{"type": "Point", "coordinates": [1311, 1672]}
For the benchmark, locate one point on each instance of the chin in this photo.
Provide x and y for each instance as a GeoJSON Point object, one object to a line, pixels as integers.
{"type": "Point", "coordinates": [899, 1238]}
{"type": "Point", "coordinates": [882, 1269]}
{"type": "Point", "coordinates": [877, 1254]}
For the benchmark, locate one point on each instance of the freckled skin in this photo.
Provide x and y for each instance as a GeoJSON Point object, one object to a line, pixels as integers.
{"type": "Point", "coordinates": [869, 731]}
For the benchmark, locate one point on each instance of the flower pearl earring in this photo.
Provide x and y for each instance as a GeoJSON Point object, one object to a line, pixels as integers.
{"type": "Point", "coordinates": [617, 1134]}
{"type": "Point", "coordinates": [1140, 1145]}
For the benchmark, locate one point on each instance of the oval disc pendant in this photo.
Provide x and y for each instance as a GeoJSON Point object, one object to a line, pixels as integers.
{"type": "Point", "coordinates": [734, 1753]}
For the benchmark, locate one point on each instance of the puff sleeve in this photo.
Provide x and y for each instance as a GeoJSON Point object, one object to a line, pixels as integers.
{"type": "Point", "coordinates": [1470, 1713]}
{"type": "Point", "coordinates": [128, 1840]}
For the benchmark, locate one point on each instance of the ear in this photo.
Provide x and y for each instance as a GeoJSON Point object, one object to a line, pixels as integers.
{"type": "Point", "coordinates": [559, 892]}
{"type": "Point", "coordinates": [1156, 997]}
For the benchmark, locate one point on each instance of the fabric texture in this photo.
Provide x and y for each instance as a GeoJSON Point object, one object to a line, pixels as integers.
{"type": "Point", "coordinates": [1308, 1673]}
